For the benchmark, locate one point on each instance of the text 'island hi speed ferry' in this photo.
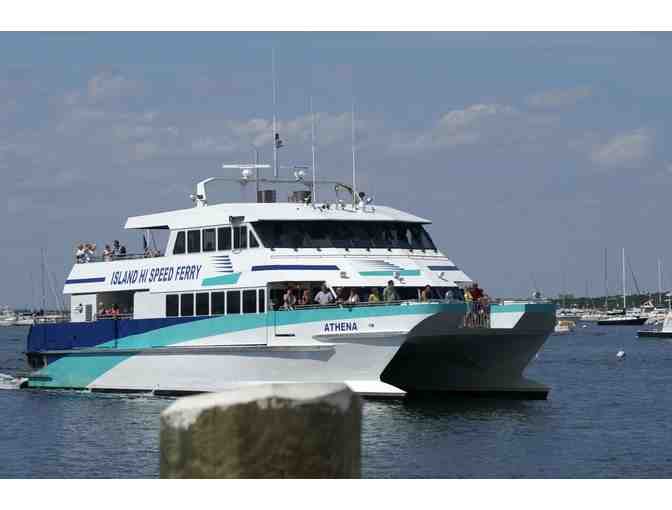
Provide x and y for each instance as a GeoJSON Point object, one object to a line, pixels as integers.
{"type": "Point", "coordinates": [209, 313]}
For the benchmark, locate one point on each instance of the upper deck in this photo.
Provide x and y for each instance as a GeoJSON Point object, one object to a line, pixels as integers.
{"type": "Point", "coordinates": [196, 217]}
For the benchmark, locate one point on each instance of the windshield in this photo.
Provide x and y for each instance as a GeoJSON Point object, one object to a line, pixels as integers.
{"type": "Point", "coordinates": [343, 234]}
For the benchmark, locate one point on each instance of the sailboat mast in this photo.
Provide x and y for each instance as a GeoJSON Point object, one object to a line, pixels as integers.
{"type": "Point", "coordinates": [312, 150]}
{"type": "Point", "coordinates": [625, 307]}
{"type": "Point", "coordinates": [606, 287]}
{"type": "Point", "coordinates": [44, 290]}
{"type": "Point", "coordinates": [354, 164]}
{"type": "Point", "coordinates": [660, 281]}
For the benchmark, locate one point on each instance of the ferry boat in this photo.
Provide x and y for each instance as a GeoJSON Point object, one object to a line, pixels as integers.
{"type": "Point", "coordinates": [210, 312]}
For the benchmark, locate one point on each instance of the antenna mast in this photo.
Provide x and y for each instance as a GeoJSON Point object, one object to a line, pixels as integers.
{"type": "Point", "coordinates": [312, 141]}
{"type": "Point", "coordinates": [354, 162]}
{"type": "Point", "coordinates": [44, 290]}
{"type": "Point", "coordinates": [275, 130]}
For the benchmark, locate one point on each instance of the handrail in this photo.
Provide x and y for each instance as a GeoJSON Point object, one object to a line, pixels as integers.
{"type": "Point", "coordinates": [113, 258]}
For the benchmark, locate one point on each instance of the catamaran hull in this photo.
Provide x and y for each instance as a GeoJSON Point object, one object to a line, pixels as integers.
{"type": "Point", "coordinates": [431, 354]}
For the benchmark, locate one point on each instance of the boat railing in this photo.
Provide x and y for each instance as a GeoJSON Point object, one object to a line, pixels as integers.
{"type": "Point", "coordinates": [115, 258]}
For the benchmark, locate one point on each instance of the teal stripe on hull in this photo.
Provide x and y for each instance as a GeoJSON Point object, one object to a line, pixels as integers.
{"type": "Point", "coordinates": [76, 371]}
{"type": "Point", "coordinates": [403, 272]}
{"type": "Point", "coordinates": [523, 307]}
{"type": "Point", "coordinates": [228, 279]}
{"type": "Point", "coordinates": [80, 370]}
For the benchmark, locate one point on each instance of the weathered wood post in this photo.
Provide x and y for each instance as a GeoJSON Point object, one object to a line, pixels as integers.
{"type": "Point", "coordinates": [264, 431]}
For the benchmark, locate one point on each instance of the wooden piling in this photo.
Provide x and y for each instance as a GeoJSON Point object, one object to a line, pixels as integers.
{"type": "Point", "coordinates": [264, 431]}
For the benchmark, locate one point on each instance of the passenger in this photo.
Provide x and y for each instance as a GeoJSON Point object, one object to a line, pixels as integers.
{"type": "Point", "coordinates": [353, 298]}
{"type": "Point", "coordinates": [390, 293]}
{"type": "Point", "coordinates": [340, 295]}
{"type": "Point", "coordinates": [115, 313]}
{"type": "Point", "coordinates": [115, 248]}
{"type": "Point", "coordinates": [107, 253]}
{"type": "Point", "coordinates": [374, 297]}
{"type": "Point", "coordinates": [101, 310]}
{"type": "Point", "coordinates": [89, 252]}
{"type": "Point", "coordinates": [122, 251]}
{"type": "Point", "coordinates": [288, 299]}
{"type": "Point", "coordinates": [305, 298]}
{"type": "Point", "coordinates": [426, 294]}
{"type": "Point", "coordinates": [80, 255]}
{"type": "Point", "coordinates": [324, 297]}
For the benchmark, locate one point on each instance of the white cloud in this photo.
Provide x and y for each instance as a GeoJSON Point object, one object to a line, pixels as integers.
{"type": "Point", "coordinates": [558, 98]}
{"type": "Point", "coordinates": [467, 126]}
{"type": "Point", "coordinates": [626, 150]}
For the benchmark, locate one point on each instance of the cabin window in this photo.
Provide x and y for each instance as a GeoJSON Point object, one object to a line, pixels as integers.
{"type": "Point", "coordinates": [178, 249]}
{"type": "Point", "coordinates": [187, 305]}
{"type": "Point", "coordinates": [209, 239]}
{"type": "Point", "coordinates": [262, 300]}
{"type": "Point", "coordinates": [240, 238]}
{"type": "Point", "coordinates": [218, 303]}
{"type": "Point", "coordinates": [202, 303]}
{"type": "Point", "coordinates": [250, 301]}
{"type": "Point", "coordinates": [224, 238]}
{"type": "Point", "coordinates": [194, 241]}
{"type": "Point", "coordinates": [343, 234]}
{"type": "Point", "coordinates": [173, 303]}
{"type": "Point", "coordinates": [233, 302]}
{"type": "Point", "coordinates": [254, 243]}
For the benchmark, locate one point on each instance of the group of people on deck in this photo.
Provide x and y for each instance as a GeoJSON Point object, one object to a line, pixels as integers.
{"type": "Point", "coordinates": [340, 295]}
{"type": "Point", "coordinates": [87, 252]}
{"type": "Point", "coordinates": [113, 312]}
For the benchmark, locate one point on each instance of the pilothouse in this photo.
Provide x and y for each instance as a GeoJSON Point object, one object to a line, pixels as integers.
{"type": "Point", "coordinates": [233, 299]}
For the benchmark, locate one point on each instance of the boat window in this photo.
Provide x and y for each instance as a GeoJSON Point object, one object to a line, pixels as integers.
{"type": "Point", "coordinates": [202, 303]}
{"type": "Point", "coordinates": [250, 301]}
{"type": "Point", "coordinates": [343, 234]}
{"type": "Point", "coordinates": [254, 243]}
{"type": "Point", "coordinates": [172, 305]}
{"type": "Point", "coordinates": [186, 305]}
{"type": "Point", "coordinates": [239, 238]}
{"type": "Point", "coordinates": [178, 249]}
{"type": "Point", "coordinates": [224, 238]}
{"type": "Point", "coordinates": [194, 241]}
{"type": "Point", "coordinates": [262, 301]}
{"type": "Point", "coordinates": [209, 239]}
{"type": "Point", "coordinates": [218, 303]}
{"type": "Point", "coordinates": [233, 302]}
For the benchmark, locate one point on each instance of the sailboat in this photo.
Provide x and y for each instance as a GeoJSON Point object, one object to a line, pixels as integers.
{"type": "Point", "coordinates": [624, 319]}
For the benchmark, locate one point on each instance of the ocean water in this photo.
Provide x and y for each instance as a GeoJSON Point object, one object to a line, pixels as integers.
{"type": "Point", "coordinates": [603, 418]}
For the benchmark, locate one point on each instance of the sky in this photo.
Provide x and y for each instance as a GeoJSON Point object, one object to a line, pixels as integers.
{"type": "Point", "coordinates": [531, 152]}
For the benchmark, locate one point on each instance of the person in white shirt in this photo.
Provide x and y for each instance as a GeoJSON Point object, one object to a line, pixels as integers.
{"type": "Point", "coordinates": [324, 297]}
{"type": "Point", "coordinates": [354, 297]}
{"type": "Point", "coordinates": [289, 300]}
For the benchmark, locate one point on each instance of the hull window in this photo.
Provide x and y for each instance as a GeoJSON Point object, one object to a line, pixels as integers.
{"type": "Point", "coordinates": [209, 239]}
{"type": "Point", "coordinates": [179, 247]}
{"type": "Point", "coordinates": [194, 241]}
{"type": "Point", "coordinates": [172, 305]}
{"type": "Point", "coordinates": [262, 300]}
{"type": "Point", "coordinates": [218, 303]}
{"type": "Point", "coordinates": [233, 302]}
{"type": "Point", "coordinates": [249, 301]}
{"type": "Point", "coordinates": [187, 305]}
{"type": "Point", "coordinates": [202, 303]}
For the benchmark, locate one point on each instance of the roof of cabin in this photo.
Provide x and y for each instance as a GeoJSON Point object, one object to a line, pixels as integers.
{"type": "Point", "coordinates": [218, 214]}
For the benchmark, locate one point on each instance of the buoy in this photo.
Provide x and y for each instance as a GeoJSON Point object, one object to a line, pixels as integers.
{"type": "Point", "coordinates": [620, 354]}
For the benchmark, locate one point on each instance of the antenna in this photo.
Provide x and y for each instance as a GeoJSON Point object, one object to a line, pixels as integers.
{"type": "Point", "coordinates": [44, 291]}
{"type": "Point", "coordinates": [625, 306]}
{"type": "Point", "coordinates": [277, 143]}
{"type": "Point", "coordinates": [354, 162]}
{"type": "Point", "coordinates": [312, 142]}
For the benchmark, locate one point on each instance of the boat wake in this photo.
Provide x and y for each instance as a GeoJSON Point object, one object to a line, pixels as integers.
{"type": "Point", "coordinates": [8, 382]}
